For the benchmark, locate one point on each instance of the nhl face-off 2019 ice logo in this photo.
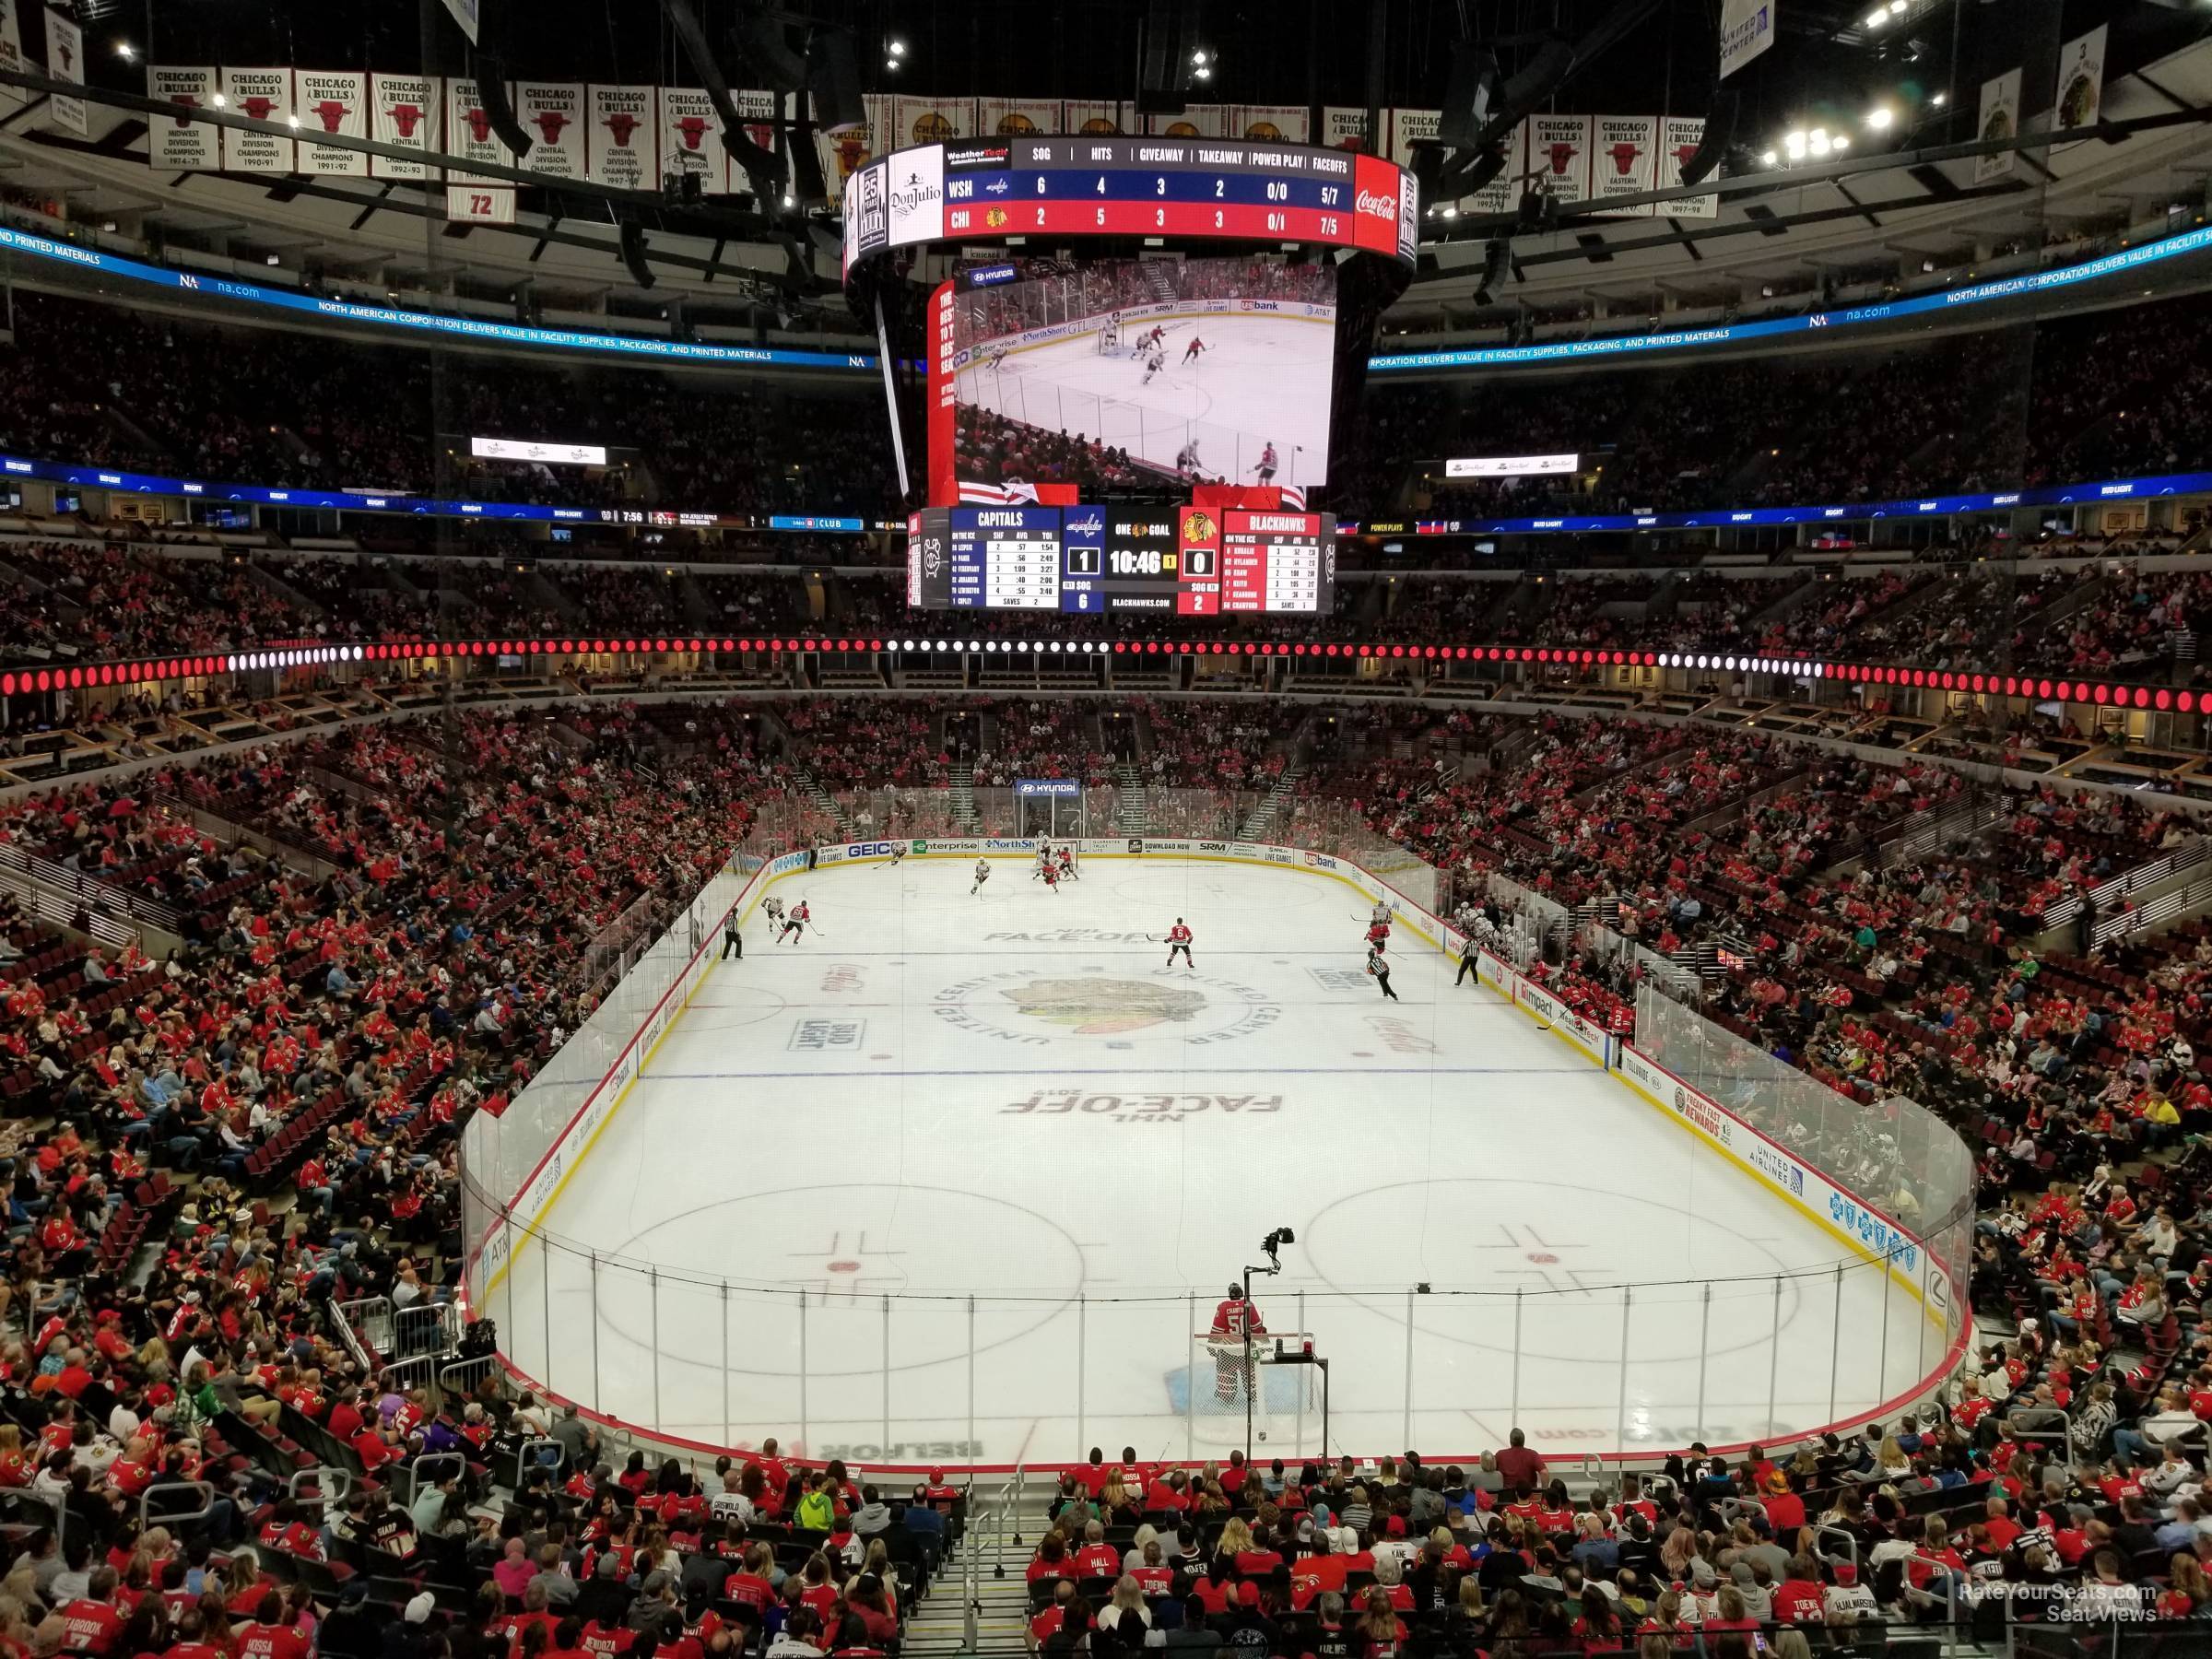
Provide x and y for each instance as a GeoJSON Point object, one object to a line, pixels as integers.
{"type": "Point", "coordinates": [1036, 1007]}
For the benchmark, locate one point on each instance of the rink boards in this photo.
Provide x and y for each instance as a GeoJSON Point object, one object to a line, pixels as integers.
{"type": "Point", "coordinates": [1863, 1230]}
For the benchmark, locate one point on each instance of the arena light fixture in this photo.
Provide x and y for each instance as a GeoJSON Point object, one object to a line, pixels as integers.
{"type": "Point", "coordinates": [126, 51]}
{"type": "Point", "coordinates": [1770, 158]}
{"type": "Point", "coordinates": [1880, 117]}
{"type": "Point", "coordinates": [1940, 100]}
{"type": "Point", "coordinates": [1794, 145]}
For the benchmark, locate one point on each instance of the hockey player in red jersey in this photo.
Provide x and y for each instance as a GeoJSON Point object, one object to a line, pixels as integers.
{"type": "Point", "coordinates": [1179, 939]}
{"type": "Point", "coordinates": [1378, 934]}
{"type": "Point", "coordinates": [1051, 872]}
{"type": "Point", "coordinates": [1237, 1322]}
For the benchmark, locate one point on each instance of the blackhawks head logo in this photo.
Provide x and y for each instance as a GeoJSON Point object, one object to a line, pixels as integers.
{"type": "Point", "coordinates": [1197, 528]}
{"type": "Point", "coordinates": [1096, 1007]}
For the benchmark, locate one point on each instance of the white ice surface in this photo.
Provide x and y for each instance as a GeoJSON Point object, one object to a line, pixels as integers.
{"type": "Point", "coordinates": [943, 1097]}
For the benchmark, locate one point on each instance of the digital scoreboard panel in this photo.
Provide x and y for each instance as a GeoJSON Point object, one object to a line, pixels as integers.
{"type": "Point", "coordinates": [1105, 184]}
{"type": "Point", "coordinates": [1122, 562]}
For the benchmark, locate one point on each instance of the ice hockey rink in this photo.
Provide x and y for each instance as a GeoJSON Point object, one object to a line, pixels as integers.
{"type": "Point", "coordinates": [1263, 379]}
{"type": "Point", "coordinates": [961, 1177]}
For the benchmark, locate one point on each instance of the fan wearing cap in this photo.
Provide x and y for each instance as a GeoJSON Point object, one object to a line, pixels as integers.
{"type": "Point", "coordinates": [1846, 1601]}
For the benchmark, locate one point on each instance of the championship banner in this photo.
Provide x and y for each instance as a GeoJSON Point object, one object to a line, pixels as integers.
{"type": "Point", "coordinates": [552, 113]}
{"type": "Point", "coordinates": [619, 148]}
{"type": "Point", "coordinates": [690, 141]}
{"type": "Point", "coordinates": [1625, 160]}
{"type": "Point", "coordinates": [11, 55]}
{"type": "Point", "coordinates": [181, 144]}
{"type": "Point", "coordinates": [1080, 118]}
{"type": "Point", "coordinates": [930, 121]}
{"type": "Point", "coordinates": [1407, 127]}
{"type": "Point", "coordinates": [1502, 194]}
{"type": "Point", "coordinates": [1747, 30]}
{"type": "Point", "coordinates": [845, 153]}
{"type": "Point", "coordinates": [1559, 154]}
{"type": "Point", "coordinates": [2080, 80]}
{"type": "Point", "coordinates": [1017, 117]}
{"type": "Point", "coordinates": [405, 111]}
{"type": "Point", "coordinates": [1274, 124]}
{"type": "Point", "coordinates": [1197, 121]}
{"type": "Point", "coordinates": [2000, 118]}
{"type": "Point", "coordinates": [1343, 127]}
{"type": "Point", "coordinates": [332, 100]}
{"type": "Point", "coordinates": [1679, 136]}
{"type": "Point", "coordinates": [262, 95]}
{"type": "Point", "coordinates": [65, 62]}
{"type": "Point", "coordinates": [468, 130]}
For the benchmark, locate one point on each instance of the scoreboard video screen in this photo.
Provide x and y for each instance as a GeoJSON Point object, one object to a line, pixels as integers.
{"type": "Point", "coordinates": [1122, 562]}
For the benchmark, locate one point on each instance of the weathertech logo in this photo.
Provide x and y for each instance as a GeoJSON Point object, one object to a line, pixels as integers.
{"type": "Point", "coordinates": [1378, 207]}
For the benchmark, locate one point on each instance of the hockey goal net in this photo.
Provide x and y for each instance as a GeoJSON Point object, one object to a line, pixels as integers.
{"type": "Point", "coordinates": [1110, 340]}
{"type": "Point", "coordinates": [1233, 1381]}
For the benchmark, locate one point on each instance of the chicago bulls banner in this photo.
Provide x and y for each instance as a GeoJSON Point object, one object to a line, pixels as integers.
{"type": "Point", "coordinates": [689, 140]}
{"type": "Point", "coordinates": [182, 145]}
{"type": "Point", "coordinates": [407, 110]}
{"type": "Point", "coordinates": [620, 147]}
{"type": "Point", "coordinates": [1407, 127]}
{"type": "Point", "coordinates": [931, 121]}
{"type": "Point", "coordinates": [1197, 121]}
{"type": "Point", "coordinates": [332, 100]}
{"type": "Point", "coordinates": [1679, 136]}
{"type": "Point", "coordinates": [845, 153]}
{"type": "Point", "coordinates": [1502, 194]}
{"type": "Point", "coordinates": [1625, 159]}
{"type": "Point", "coordinates": [552, 113]}
{"type": "Point", "coordinates": [65, 62]}
{"type": "Point", "coordinates": [1343, 127]}
{"type": "Point", "coordinates": [1017, 117]}
{"type": "Point", "coordinates": [262, 95]}
{"type": "Point", "coordinates": [1274, 124]}
{"type": "Point", "coordinates": [468, 130]}
{"type": "Point", "coordinates": [11, 55]}
{"type": "Point", "coordinates": [1081, 118]}
{"type": "Point", "coordinates": [757, 113]}
{"type": "Point", "coordinates": [1559, 154]}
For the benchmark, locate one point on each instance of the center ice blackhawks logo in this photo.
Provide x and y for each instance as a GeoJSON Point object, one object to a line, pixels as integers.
{"type": "Point", "coordinates": [1092, 1007]}
{"type": "Point", "coordinates": [1025, 1007]}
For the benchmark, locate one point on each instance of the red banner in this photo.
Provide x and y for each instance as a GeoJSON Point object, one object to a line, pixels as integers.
{"type": "Point", "coordinates": [943, 393]}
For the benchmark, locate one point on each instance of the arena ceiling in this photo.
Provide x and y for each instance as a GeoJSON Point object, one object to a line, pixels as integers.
{"type": "Point", "coordinates": [1899, 203]}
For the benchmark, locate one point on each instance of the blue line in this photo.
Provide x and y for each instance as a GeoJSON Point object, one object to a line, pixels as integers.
{"type": "Point", "coordinates": [1139, 1068]}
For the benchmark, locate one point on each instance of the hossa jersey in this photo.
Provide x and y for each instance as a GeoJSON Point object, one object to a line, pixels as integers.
{"type": "Point", "coordinates": [1234, 1317]}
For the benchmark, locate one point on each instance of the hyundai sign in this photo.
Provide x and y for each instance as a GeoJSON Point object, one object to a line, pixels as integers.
{"type": "Point", "coordinates": [1047, 788]}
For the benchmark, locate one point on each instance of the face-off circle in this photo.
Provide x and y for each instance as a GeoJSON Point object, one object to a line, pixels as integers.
{"type": "Point", "coordinates": [773, 1246]}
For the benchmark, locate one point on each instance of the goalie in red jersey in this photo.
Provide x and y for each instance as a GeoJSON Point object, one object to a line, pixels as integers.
{"type": "Point", "coordinates": [1235, 1320]}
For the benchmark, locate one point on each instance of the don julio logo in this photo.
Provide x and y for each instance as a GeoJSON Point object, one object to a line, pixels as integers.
{"type": "Point", "coordinates": [916, 194]}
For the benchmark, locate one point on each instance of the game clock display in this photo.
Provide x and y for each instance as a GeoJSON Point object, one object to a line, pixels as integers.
{"type": "Point", "coordinates": [1151, 561]}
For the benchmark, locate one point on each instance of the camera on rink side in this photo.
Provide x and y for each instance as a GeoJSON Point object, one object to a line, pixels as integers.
{"type": "Point", "coordinates": [1277, 1239]}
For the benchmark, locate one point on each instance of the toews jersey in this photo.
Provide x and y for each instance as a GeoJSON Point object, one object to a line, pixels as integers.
{"type": "Point", "coordinates": [1234, 1317]}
